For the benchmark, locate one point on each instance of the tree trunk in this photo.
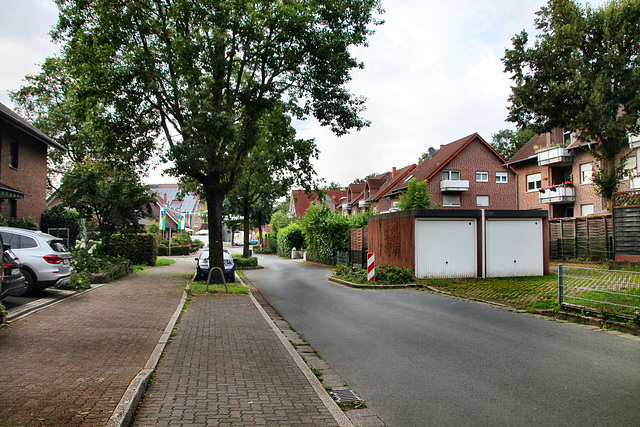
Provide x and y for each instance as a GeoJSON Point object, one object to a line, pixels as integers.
{"type": "Point", "coordinates": [245, 249]}
{"type": "Point", "coordinates": [214, 206]}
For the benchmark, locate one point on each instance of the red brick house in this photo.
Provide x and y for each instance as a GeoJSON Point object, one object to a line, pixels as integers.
{"type": "Point", "coordinates": [464, 174]}
{"type": "Point", "coordinates": [555, 174]}
{"type": "Point", "coordinates": [300, 201]}
{"type": "Point", "coordinates": [23, 166]}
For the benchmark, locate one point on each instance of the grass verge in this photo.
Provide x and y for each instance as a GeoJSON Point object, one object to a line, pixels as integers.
{"type": "Point", "coordinates": [200, 288]}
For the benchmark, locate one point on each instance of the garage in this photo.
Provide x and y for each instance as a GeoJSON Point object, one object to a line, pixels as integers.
{"type": "Point", "coordinates": [514, 247]}
{"type": "Point", "coordinates": [446, 248]}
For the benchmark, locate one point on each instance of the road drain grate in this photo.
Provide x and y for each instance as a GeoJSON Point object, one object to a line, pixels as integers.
{"type": "Point", "coordinates": [344, 396]}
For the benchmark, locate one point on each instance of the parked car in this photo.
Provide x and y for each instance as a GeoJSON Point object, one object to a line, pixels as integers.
{"type": "Point", "coordinates": [47, 262]}
{"type": "Point", "coordinates": [13, 281]}
{"type": "Point", "coordinates": [202, 266]}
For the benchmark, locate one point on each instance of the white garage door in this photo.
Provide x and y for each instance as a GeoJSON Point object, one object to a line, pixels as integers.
{"type": "Point", "coordinates": [514, 247]}
{"type": "Point", "coordinates": [446, 248]}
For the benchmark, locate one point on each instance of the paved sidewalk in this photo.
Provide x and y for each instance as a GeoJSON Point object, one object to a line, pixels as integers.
{"type": "Point", "coordinates": [71, 363]}
{"type": "Point", "coordinates": [226, 366]}
{"type": "Point", "coordinates": [85, 360]}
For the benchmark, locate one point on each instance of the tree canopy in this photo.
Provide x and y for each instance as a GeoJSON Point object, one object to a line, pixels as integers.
{"type": "Point", "coordinates": [207, 71]}
{"type": "Point", "coordinates": [416, 196]}
{"type": "Point", "coordinates": [507, 142]}
{"type": "Point", "coordinates": [581, 74]}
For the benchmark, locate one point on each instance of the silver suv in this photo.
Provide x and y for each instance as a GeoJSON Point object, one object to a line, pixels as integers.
{"type": "Point", "coordinates": [47, 262]}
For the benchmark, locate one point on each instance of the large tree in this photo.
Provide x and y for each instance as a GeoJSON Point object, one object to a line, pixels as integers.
{"type": "Point", "coordinates": [278, 161]}
{"type": "Point", "coordinates": [581, 74]}
{"type": "Point", "coordinates": [210, 69]}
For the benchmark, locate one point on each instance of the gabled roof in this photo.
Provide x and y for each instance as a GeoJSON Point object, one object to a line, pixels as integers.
{"type": "Point", "coordinates": [433, 164]}
{"type": "Point", "coordinates": [391, 182]}
{"type": "Point", "coordinates": [9, 116]}
{"type": "Point", "coordinates": [337, 196]}
{"type": "Point", "coordinates": [301, 201]}
{"type": "Point", "coordinates": [528, 150]}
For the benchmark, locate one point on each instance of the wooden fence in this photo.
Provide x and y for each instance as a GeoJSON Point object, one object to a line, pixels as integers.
{"type": "Point", "coordinates": [583, 237]}
{"type": "Point", "coordinates": [626, 219]}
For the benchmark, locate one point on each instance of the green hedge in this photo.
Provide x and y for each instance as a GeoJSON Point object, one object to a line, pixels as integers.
{"type": "Point", "coordinates": [288, 238]}
{"type": "Point", "coordinates": [137, 248]}
{"type": "Point", "coordinates": [176, 250]}
{"type": "Point", "coordinates": [241, 262]}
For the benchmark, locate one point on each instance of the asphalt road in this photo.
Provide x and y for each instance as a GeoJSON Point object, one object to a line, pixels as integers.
{"type": "Point", "coordinates": [424, 359]}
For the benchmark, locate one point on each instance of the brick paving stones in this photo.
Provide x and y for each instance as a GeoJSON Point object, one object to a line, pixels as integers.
{"type": "Point", "coordinates": [225, 366]}
{"type": "Point", "coordinates": [70, 363]}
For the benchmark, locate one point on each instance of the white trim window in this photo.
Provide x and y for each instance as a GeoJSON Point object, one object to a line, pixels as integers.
{"type": "Point", "coordinates": [452, 200]}
{"type": "Point", "coordinates": [501, 177]}
{"type": "Point", "coordinates": [534, 182]}
{"type": "Point", "coordinates": [586, 209]}
{"type": "Point", "coordinates": [482, 201]}
{"type": "Point", "coordinates": [586, 173]}
{"type": "Point", "coordinates": [482, 176]}
{"type": "Point", "coordinates": [450, 175]}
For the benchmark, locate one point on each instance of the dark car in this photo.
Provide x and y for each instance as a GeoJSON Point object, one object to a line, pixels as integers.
{"type": "Point", "coordinates": [202, 266]}
{"type": "Point", "coordinates": [13, 281]}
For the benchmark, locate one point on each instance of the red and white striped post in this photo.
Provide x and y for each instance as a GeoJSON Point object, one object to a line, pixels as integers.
{"type": "Point", "coordinates": [371, 267]}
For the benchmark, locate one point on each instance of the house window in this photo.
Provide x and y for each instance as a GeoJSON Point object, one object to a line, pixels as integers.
{"type": "Point", "coordinates": [567, 138]}
{"type": "Point", "coordinates": [586, 209]}
{"type": "Point", "coordinates": [13, 154]}
{"type": "Point", "coordinates": [586, 173]}
{"type": "Point", "coordinates": [450, 200]}
{"type": "Point", "coordinates": [534, 182]}
{"type": "Point", "coordinates": [501, 177]}
{"type": "Point", "coordinates": [454, 175]}
{"type": "Point", "coordinates": [482, 201]}
{"type": "Point", "coordinates": [482, 176]}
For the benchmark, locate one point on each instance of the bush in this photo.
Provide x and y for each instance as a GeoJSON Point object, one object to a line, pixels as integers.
{"type": "Point", "coordinates": [175, 250]}
{"type": "Point", "coordinates": [242, 262]}
{"type": "Point", "coordinates": [352, 274]}
{"type": "Point", "coordinates": [394, 275]}
{"type": "Point", "coordinates": [26, 223]}
{"type": "Point", "coordinates": [181, 239]}
{"type": "Point", "coordinates": [288, 238]}
{"type": "Point", "coordinates": [59, 217]}
{"type": "Point", "coordinates": [385, 275]}
{"type": "Point", "coordinates": [325, 233]}
{"type": "Point", "coordinates": [137, 248]}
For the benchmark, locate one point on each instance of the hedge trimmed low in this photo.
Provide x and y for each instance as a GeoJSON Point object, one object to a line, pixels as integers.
{"type": "Point", "coordinates": [137, 248]}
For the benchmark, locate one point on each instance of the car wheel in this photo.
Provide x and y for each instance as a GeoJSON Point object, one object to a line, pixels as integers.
{"type": "Point", "coordinates": [31, 282]}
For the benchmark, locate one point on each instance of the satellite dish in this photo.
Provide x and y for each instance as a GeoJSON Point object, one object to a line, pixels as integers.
{"type": "Point", "coordinates": [431, 151]}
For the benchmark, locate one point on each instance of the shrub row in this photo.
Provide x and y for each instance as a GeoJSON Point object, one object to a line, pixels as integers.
{"type": "Point", "coordinates": [137, 248]}
{"type": "Point", "coordinates": [242, 262]}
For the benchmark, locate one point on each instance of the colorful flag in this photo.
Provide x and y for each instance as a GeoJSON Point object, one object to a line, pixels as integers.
{"type": "Point", "coordinates": [180, 221]}
{"type": "Point", "coordinates": [163, 218]}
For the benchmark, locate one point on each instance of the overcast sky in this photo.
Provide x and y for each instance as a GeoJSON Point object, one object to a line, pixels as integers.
{"type": "Point", "coordinates": [432, 75]}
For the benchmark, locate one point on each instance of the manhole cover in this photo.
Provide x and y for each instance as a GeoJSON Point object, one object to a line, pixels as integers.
{"type": "Point", "coordinates": [344, 396]}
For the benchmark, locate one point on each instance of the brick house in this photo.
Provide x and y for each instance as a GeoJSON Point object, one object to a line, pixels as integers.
{"type": "Point", "coordinates": [169, 196]}
{"type": "Point", "coordinates": [464, 174]}
{"type": "Point", "coordinates": [299, 201]}
{"type": "Point", "coordinates": [555, 174]}
{"type": "Point", "coordinates": [23, 166]}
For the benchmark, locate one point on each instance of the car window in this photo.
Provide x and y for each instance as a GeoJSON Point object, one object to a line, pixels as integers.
{"type": "Point", "coordinates": [57, 245]}
{"type": "Point", "coordinates": [204, 255]}
{"type": "Point", "coordinates": [27, 242]}
{"type": "Point", "coordinates": [8, 239]}
{"type": "Point", "coordinates": [227, 255]}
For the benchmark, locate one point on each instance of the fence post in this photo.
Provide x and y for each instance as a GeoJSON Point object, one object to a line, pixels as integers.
{"type": "Point", "coordinates": [560, 283]}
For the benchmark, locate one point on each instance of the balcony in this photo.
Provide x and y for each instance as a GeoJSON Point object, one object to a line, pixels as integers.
{"type": "Point", "coordinates": [558, 194]}
{"type": "Point", "coordinates": [362, 203]}
{"type": "Point", "coordinates": [554, 155]}
{"type": "Point", "coordinates": [454, 185]}
{"type": "Point", "coordinates": [634, 141]}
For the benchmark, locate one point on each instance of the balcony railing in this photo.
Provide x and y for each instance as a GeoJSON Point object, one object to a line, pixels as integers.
{"type": "Point", "coordinates": [634, 141]}
{"type": "Point", "coordinates": [553, 155]}
{"type": "Point", "coordinates": [454, 185]}
{"type": "Point", "coordinates": [558, 194]}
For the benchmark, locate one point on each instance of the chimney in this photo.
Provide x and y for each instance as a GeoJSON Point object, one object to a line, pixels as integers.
{"type": "Point", "coordinates": [165, 199]}
{"type": "Point", "coordinates": [393, 172]}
